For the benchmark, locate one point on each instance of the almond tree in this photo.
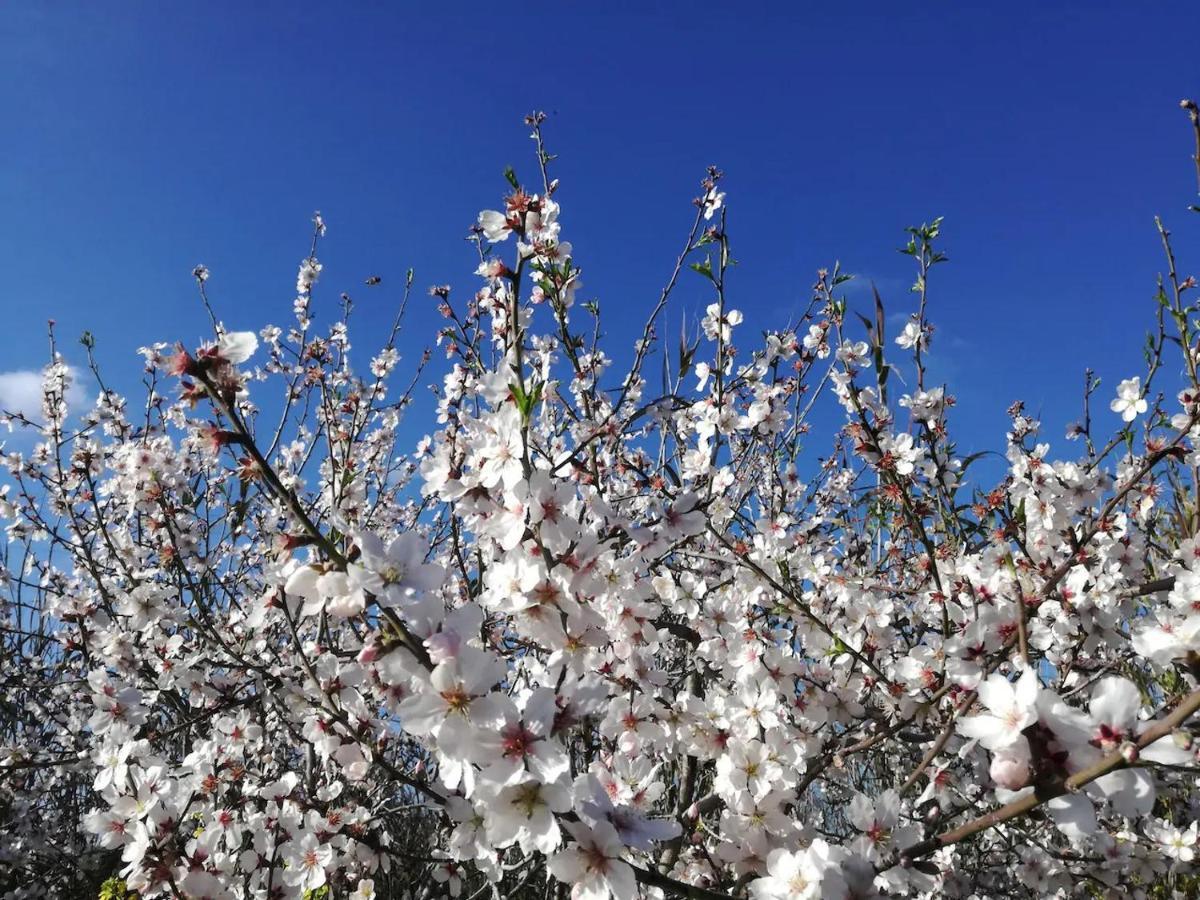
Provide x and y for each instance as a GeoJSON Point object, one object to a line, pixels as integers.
{"type": "Point", "coordinates": [595, 636]}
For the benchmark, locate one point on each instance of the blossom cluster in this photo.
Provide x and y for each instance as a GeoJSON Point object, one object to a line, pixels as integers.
{"type": "Point", "coordinates": [591, 634]}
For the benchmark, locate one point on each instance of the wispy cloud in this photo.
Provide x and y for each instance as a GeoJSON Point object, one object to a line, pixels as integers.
{"type": "Point", "coordinates": [21, 393]}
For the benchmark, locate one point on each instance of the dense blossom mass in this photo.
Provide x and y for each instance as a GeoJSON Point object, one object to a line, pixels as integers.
{"type": "Point", "coordinates": [619, 626]}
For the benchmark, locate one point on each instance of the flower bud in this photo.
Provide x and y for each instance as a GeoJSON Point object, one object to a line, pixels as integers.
{"type": "Point", "coordinates": [181, 363]}
{"type": "Point", "coordinates": [370, 651]}
{"type": "Point", "coordinates": [1130, 752]}
{"type": "Point", "coordinates": [1010, 767]}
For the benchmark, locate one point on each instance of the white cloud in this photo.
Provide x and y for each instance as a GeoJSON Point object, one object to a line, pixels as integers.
{"type": "Point", "coordinates": [21, 392]}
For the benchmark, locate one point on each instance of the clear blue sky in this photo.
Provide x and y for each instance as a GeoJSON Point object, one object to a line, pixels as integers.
{"type": "Point", "coordinates": [143, 138]}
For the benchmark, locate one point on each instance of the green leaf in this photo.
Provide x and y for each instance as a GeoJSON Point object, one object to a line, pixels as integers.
{"type": "Point", "coordinates": [704, 268]}
{"type": "Point", "coordinates": [511, 177]}
{"type": "Point", "coordinates": [526, 401]}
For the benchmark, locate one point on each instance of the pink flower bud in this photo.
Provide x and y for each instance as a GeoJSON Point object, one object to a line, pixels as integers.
{"type": "Point", "coordinates": [1010, 767]}
{"type": "Point", "coordinates": [181, 363]}
{"type": "Point", "coordinates": [369, 652]}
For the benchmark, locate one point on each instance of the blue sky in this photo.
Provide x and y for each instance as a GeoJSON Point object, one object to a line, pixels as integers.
{"type": "Point", "coordinates": [144, 138]}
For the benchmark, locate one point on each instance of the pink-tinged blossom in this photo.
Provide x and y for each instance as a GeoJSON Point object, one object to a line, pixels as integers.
{"type": "Point", "coordinates": [444, 706]}
{"type": "Point", "coordinates": [307, 860]}
{"type": "Point", "coordinates": [592, 864]}
{"type": "Point", "coordinates": [520, 741]}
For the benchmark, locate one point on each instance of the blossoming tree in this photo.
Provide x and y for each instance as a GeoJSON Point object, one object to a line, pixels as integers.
{"type": "Point", "coordinates": [597, 637]}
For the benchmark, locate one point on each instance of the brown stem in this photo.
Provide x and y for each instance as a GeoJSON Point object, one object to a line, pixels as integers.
{"type": "Point", "coordinates": [1193, 112]}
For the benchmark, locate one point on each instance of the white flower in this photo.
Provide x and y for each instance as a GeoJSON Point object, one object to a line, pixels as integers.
{"type": "Point", "coordinates": [1163, 641]}
{"type": "Point", "coordinates": [237, 346]}
{"type": "Point", "coordinates": [746, 767]}
{"type": "Point", "coordinates": [903, 452]}
{"type": "Point", "coordinates": [1177, 844]}
{"type": "Point", "coordinates": [756, 706]}
{"type": "Point", "coordinates": [307, 859]}
{"type": "Point", "coordinates": [1129, 403]}
{"type": "Point", "coordinates": [443, 707]}
{"type": "Point", "coordinates": [524, 812]}
{"type": "Point", "coordinates": [713, 201]}
{"type": "Point", "coordinates": [395, 571]}
{"type": "Point", "coordinates": [801, 875]}
{"type": "Point", "coordinates": [199, 883]}
{"type": "Point", "coordinates": [495, 225]}
{"type": "Point", "coordinates": [1114, 707]}
{"type": "Point", "coordinates": [911, 336]}
{"type": "Point", "coordinates": [1010, 710]}
{"type": "Point", "coordinates": [715, 324]}
{"type": "Point", "coordinates": [815, 341]}
{"type": "Point", "coordinates": [112, 766]}
{"type": "Point", "coordinates": [310, 271]}
{"type": "Point", "coordinates": [853, 354]}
